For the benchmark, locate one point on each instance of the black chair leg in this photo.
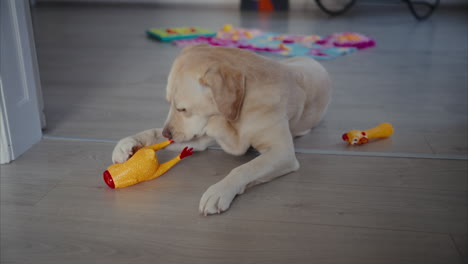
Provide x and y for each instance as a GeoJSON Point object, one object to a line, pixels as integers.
{"type": "Point", "coordinates": [418, 15]}
{"type": "Point", "coordinates": [335, 12]}
{"type": "Point", "coordinates": [411, 5]}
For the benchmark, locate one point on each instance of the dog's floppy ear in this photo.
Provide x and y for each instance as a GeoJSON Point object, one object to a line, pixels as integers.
{"type": "Point", "coordinates": [228, 88]}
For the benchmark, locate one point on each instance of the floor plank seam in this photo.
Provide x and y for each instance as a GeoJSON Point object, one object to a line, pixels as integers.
{"type": "Point", "coordinates": [382, 154]}
{"type": "Point", "coordinates": [47, 193]}
{"type": "Point", "coordinates": [388, 187]}
{"type": "Point", "coordinates": [305, 151]}
{"type": "Point", "coordinates": [99, 140]}
{"type": "Point", "coordinates": [346, 226]}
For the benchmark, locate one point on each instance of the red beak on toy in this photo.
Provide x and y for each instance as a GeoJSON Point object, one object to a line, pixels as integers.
{"type": "Point", "coordinates": [345, 137]}
{"type": "Point", "coordinates": [363, 141]}
{"type": "Point", "coordinates": [108, 179]}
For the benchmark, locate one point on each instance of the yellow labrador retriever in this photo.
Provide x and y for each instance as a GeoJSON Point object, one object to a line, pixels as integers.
{"type": "Point", "coordinates": [238, 99]}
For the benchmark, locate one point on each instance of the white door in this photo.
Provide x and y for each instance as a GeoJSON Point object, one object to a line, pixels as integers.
{"type": "Point", "coordinates": [20, 124]}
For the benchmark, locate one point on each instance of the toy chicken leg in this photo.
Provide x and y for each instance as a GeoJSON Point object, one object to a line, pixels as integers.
{"type": "Point", "coordinates": [358, 137]}
{"type": "Point", "coordinates": [142, 166]}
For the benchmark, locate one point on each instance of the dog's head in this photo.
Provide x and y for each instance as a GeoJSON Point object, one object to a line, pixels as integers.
{"type": "Point", "coordinates": [201, 85]}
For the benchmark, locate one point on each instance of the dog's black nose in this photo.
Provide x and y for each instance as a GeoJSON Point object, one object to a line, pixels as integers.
{"type": "Point", "coordinates": [167, 133]}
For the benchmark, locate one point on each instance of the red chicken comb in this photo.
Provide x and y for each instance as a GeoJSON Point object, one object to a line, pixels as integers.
{"type": "Point", "coordinates": [345, 137]}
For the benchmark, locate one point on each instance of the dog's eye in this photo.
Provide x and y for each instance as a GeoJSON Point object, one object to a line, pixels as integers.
{"type": "Point", "coordinates": [181, 109]}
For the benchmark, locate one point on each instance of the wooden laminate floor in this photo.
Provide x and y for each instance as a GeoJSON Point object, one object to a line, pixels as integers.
{"type": "Point", "coordinates": [405, 201]}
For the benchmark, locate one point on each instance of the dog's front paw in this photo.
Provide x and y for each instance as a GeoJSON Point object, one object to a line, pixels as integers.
{"type": "Point", "coordinates": [125, 149]}
{"type": "Point", "coordinates": [217, 198]}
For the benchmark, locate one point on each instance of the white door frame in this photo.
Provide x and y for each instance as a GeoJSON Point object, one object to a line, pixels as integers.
{"type": "Point", "coordinates": [5, 151]}
{"type": "Point", "coordinates": [20, 91]}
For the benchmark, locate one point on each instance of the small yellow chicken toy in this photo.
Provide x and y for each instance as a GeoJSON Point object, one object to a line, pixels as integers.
{"type": "Point", "coordinates": [142, 166]}
{"type": "Point", "coordinates": [357, 137]}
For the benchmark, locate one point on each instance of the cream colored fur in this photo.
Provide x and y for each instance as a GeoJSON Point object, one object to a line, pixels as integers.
{"type": "Point", "coordinates": [238, 99]}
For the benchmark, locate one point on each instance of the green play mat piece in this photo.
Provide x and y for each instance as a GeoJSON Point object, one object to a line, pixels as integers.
{"type": "Point", "coordinates": [170, 34]}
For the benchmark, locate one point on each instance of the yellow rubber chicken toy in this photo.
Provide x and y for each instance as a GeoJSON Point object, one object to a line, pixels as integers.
{"type": "Point", "coordinates": [142, 166]}
{"type": "Point", "coordinates": [358, 137]}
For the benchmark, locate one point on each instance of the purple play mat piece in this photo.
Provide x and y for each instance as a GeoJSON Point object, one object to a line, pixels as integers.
{"type": "Point", "coordinates": [331, 46]}
{"type": "Point", "coordinates": [347, 39]}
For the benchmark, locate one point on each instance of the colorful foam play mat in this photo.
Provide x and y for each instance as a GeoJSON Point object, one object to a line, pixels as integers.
{"type": "Point", "coordinates": [314, 46]}
{"type": "Point", "coordinates": [170, 34]}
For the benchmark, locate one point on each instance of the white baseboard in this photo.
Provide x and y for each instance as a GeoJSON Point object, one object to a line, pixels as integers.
{"type": "Point", "coordinates": [293, 4]}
